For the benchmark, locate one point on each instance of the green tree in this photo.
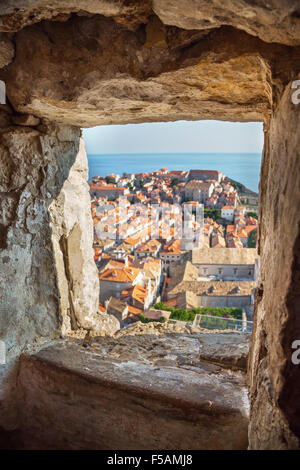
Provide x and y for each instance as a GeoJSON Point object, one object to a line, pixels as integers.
{"type": "Point", "coordinates": [237, 186]}
{"type": "Point", "coordinates": [252, 239]}
{"type": "Point", "coordinates": [110, 180]}
{"type": "Point", "coordinates": [214, 214]}
{"type": "Point", "coordinates": [252, 214]}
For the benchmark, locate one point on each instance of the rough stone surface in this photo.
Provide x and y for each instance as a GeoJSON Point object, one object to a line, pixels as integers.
{"type": "Point", "coordinates": [121, 62]}
{"type": "Point", "coordinates": [45, 204]}
{"type": "Point", "coordinates": [30, 177]}
{"type": "Point", "coordinates": [9, 396]}
{"type": "Point", "coordinates": [153, 341]}
{"type": "Point", "coordinates": [15, 14]}
{"type": "Point", "coordinates": [275, 386]}
{"type": "Point", "coordinates": [92, 71]}
{"type": "Point", "coordinates": [26, 120]}
{"type": "Point", "coordinates": [272, 20]}
{"type": "Point", "coordinates": [7, 49]}
{"type": "Point", "coordinates": [72, 237]}
{"type": "Point", "coordinates": [105, 402]}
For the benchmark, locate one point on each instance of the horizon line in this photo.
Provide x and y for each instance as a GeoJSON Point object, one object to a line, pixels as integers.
{"type": "Point", "coordinates": [178, 153]}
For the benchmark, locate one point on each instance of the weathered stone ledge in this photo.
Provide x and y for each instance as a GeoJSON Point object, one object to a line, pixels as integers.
{"type": "Point", "coordinates": [97, 398]}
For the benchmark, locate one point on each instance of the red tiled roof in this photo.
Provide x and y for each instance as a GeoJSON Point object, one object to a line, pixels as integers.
{"type": "Point", "coordinates": [134, 310]}
{"type": "Point", "coordinates": [125, 275]}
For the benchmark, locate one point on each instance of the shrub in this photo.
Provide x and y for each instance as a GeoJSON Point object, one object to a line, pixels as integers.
{"type": "Point", "coordinates": [252, 214]}
{"type": "Point", "coordinates": [161, 306]}
{"type": "Point", "coordinates": [181, 314]}
{"type": "Point", "coordinates": [212, 213]}
{"type": "Point", "coordinates": [189, 315]}
{"type": "Point", "coordinates": [144, 319]}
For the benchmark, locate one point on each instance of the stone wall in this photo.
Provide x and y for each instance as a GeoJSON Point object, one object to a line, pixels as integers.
{"type": "Point", "coordinates": [9, 397]}
{"type": "Point", "coordinates": [34, 164]}
{"type": "Point", "coordinates": [109, 74]}
{"type": "Point", "coordinates": [238, 301]}
{"type": "Point", "coordinates": [48, 279]}
{"type": "Point", "coordinates": [48, 276]}
{"type": "Point", "coordinates": [151, 387]}
{"type": "Point", "coordinates": [72, 238]}
{"type": "Point", "coordinates": [88, 63]}
{"type": "Point", "coordinates": [274, 378]}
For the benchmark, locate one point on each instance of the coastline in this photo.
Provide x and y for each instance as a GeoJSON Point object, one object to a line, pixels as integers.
{"type": "Point", "coordinates": [241, 167]}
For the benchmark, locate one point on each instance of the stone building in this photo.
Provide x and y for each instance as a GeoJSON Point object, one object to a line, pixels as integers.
{"type": "Point", "coordinates": [198, 191]}
{"type": "Point", "coordinates": [226, 263]}
{"type": "Point", "coordinates": [152, 271]}
{"type": "Point", "coordinates": [207, 293]}
{"type": "Point", "coordinates": [226, 294]}
{"type": "Point", "coordinates": [107, 190]}
{"type": "Point", "coordinates": [227, 213]}
{"type": "Point", "coordinates": [151, 247]}
{"type": "Point", "coordinates": [117, 308]}
{"type": "Point", "coordinates": [171, 255]}
{"type": "Point", "coordinates": [114, 280]}
{"type": "Point", "coordinates": [205, 175]}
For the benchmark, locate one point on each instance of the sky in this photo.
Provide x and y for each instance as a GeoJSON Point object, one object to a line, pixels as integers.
{"type": "Point", "coordinates": [177, 137]}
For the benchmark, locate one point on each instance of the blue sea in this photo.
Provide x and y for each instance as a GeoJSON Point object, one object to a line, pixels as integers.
{"type": "Point", "coordinates": [242, 167]}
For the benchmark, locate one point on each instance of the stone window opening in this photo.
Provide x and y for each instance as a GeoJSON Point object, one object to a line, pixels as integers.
{"type": "Point", "coordinates": [156, 65]}
{"type": "Point", "coordinates": [96, 173]}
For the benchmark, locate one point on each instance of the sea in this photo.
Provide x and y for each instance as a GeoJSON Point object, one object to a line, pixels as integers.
{"type": "Point", "coordinates": [242, 167]}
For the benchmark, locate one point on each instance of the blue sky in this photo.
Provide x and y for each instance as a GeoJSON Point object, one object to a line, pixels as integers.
{"type": "Point", "coordinates": [179, 136]}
